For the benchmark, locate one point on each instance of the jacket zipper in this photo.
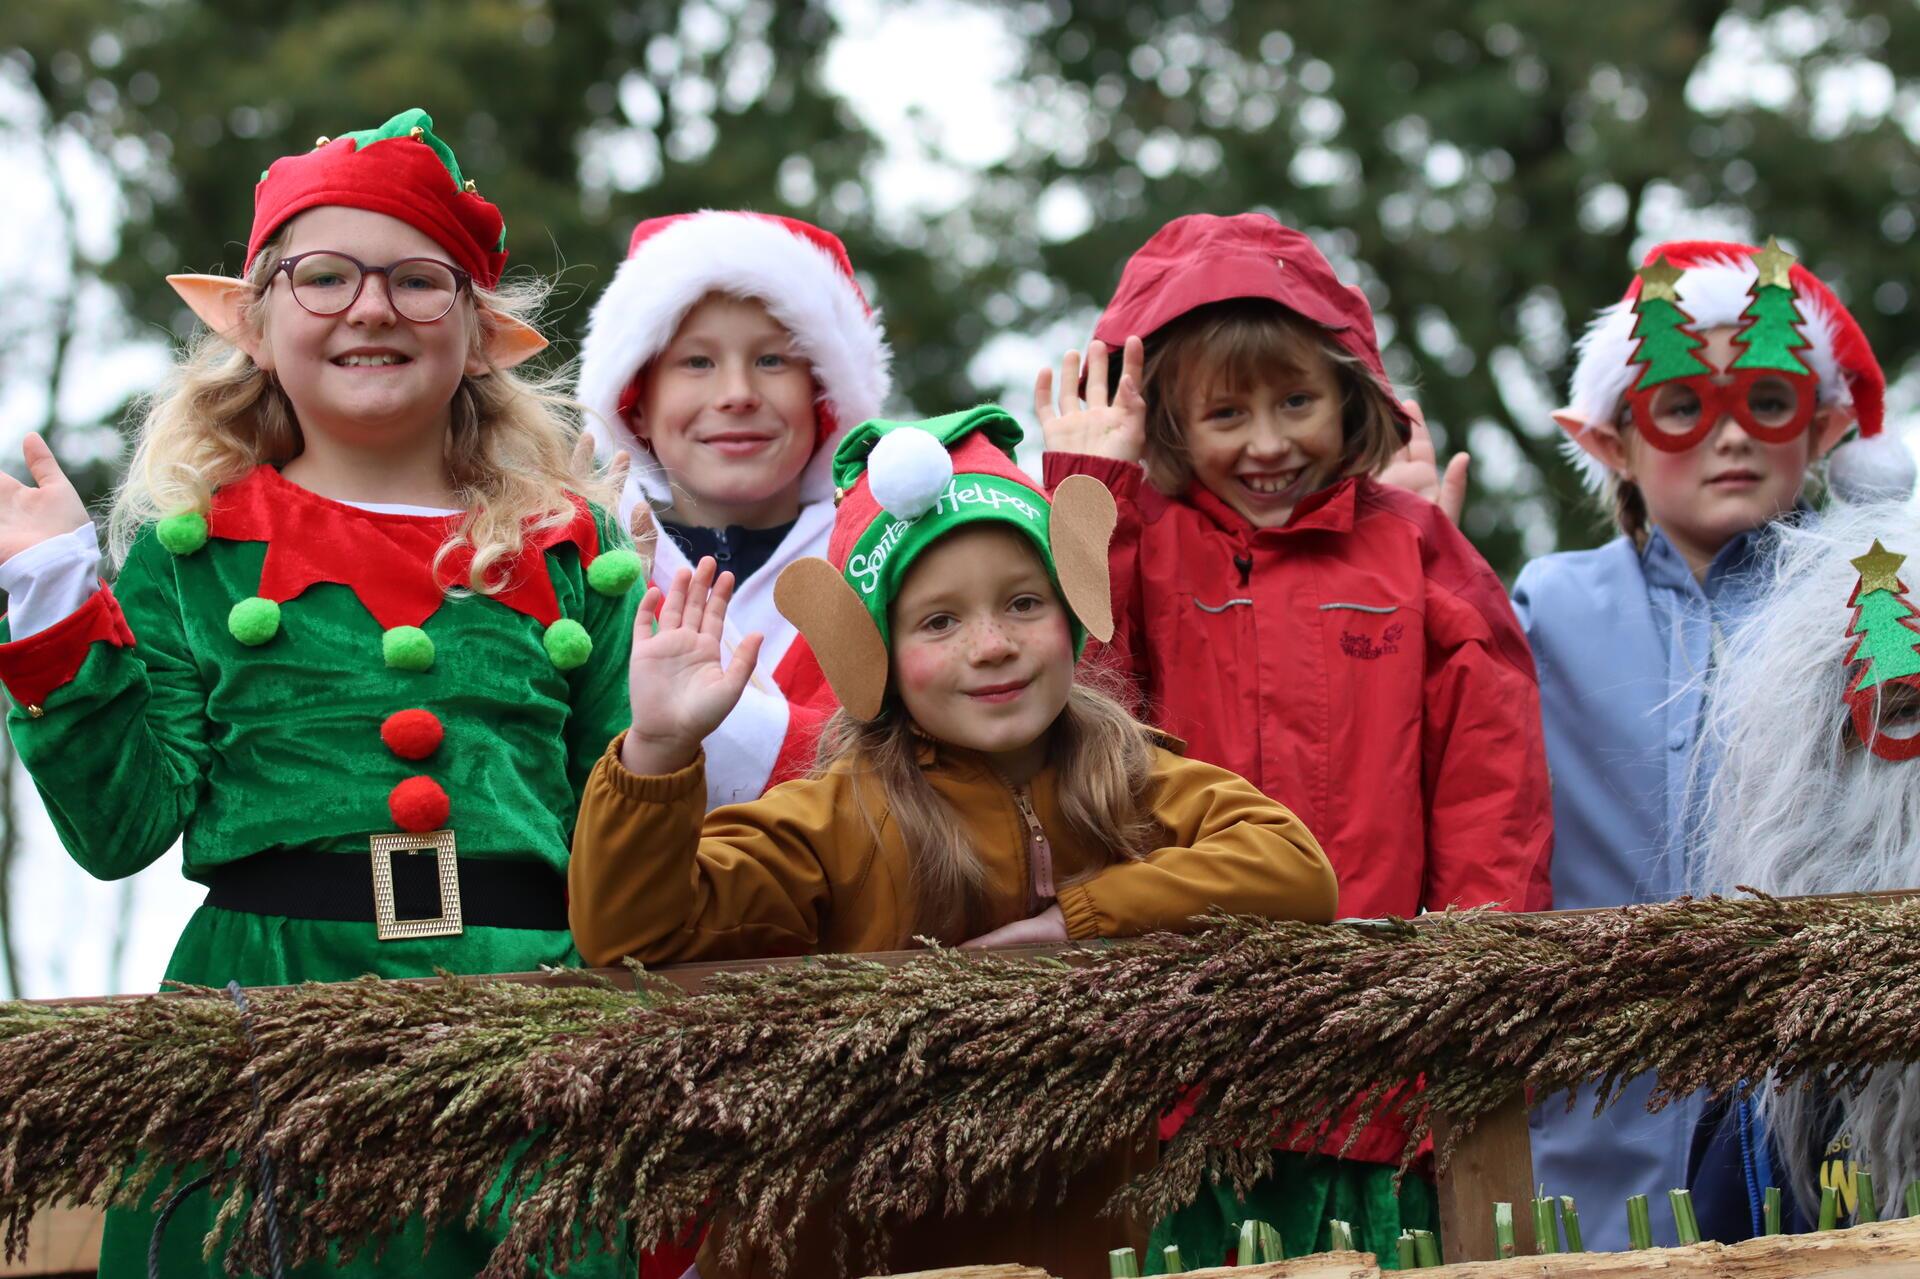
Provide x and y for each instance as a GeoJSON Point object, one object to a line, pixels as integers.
{"type": "Point", "coordinates": [1039, 851]}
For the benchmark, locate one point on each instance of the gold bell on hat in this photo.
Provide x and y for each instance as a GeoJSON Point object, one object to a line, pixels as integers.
{"type": "Point", "coordinates": [415, 131]}
{"type": "Point", "coordinates": [321, 141]}
{"type": "Point", "coordinates": [470, 187]}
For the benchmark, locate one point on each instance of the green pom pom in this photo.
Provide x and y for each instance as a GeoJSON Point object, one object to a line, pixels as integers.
{"type": "Point", "coordinates": [615, 572]}
{"type": "Point", "coordinates": [183, 534]}
{"type": "Point", "coordinates": [568, 644]}
{"type": "Point", "coordinates": [407, 648]}
{"type": "Point", "coordinates": [254, 620]}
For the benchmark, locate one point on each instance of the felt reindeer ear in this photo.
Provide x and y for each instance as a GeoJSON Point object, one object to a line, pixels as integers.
{"type": "Point", "coordinates": [813, 595]}
{"type": "Point", "coordinates": [219, 301]}
{"type": "Point", "coordinates": [1079, 530]}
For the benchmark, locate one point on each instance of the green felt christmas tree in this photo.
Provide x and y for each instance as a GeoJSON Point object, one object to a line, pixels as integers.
{"type": "Point", "coordinates": [1886, 636]}
{"type": "Point", "coordinates": [1664, 342]}
{"type": "Point", "coordinates": [1772, 321]}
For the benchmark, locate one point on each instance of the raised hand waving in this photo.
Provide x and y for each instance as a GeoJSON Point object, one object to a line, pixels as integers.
{"type": "Point", "coordinates": [32, 513]}
{"type": "Point", "coordinates": [679, 688]}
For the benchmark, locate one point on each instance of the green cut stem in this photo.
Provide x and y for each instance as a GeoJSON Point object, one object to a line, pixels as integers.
{"type": "Point", "coordinates": [1339, 1235]}
{"type": "Point", "coordinates": [1122, 1264]}
{"type": "Point", "coordinates": [1503, 1230]}
{"type": "Point", "coordinates": [1772, 1213]}
{"type": "Point", "coordinates": [1546, 1239]}
{"type": "Point", "coordinates": [1426, 1248]}
{"type": "Point", "coordinates": [1913, 1198]}
{"type": "Point", "coordinates": [1639, 1224]}
{"type": "Point", "coordinates": [1829, 1207]}
{"type": "Point", "coordinates": [1570, 1225]}
{"type": "Point", "coordinates": [1866, 1204]}
{"type": "Point", "coordinates": [1409, 1255]}
{"type": "Point", "coordinates": [1685, 1224]}
{"type": "Point", "coordinates": [1170, 1262]}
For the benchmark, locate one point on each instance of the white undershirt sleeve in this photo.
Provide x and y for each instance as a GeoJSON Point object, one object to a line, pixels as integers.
{"type": "Point", "coordinates": [46, 584]}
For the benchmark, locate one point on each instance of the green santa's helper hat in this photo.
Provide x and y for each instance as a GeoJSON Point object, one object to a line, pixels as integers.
{"type": "Point", "coordinates": [900, 487]}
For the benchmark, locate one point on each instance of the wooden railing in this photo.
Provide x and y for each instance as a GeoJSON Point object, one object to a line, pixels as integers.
{"type": "Point", "coordinates": [1493, 1162]}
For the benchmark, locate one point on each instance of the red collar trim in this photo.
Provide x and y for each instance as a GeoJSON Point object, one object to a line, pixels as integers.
{"type": "Point", "coordinates": [1330, 509]}
{"type": "Point", "coordinates": [386, 560]}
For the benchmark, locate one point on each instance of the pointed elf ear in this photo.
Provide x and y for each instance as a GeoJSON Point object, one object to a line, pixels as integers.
{"type": "Point", "coordinates": [1598, 440]}
{"type": "Point", "coordinates": [510, 342]}
{"type": "Point", "coordinates": [813, 595]}
{"type": "Point", "coordinates": [1829, 425]}
{"type": "Point", "coordinates": [219, 301]}
{"type": "Point", "coordinates": [1079, 529]}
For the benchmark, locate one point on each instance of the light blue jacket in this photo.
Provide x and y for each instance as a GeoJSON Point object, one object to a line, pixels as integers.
{"type": "Point", "coordinates": [1622, 640]}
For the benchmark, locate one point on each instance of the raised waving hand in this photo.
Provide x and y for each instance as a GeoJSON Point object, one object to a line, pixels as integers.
{"type": "Point", "coordinates": [1416, 468]}
{"type": "Point", "coordinates": [1097, 426]}
{"type": "Point", "coordinates": [32, 513]}
{"type": "Point", "coordinates": [679, 688]}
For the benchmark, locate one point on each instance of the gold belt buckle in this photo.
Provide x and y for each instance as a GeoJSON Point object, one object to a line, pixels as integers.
{"type": "Point", "coordinates": [391, 927]}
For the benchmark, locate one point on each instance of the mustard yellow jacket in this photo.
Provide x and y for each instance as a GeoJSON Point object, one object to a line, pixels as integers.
{"type": "Point", "coordinates": [799, 871]}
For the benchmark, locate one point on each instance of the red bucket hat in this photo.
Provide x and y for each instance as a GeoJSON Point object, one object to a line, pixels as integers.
{"type": "Point", "coordinates": [1201, 259]}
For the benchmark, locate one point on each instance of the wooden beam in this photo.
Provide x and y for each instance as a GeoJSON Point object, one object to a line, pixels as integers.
{"type": "Point", "coordinates": [973, 1272]}
{"type": "Point", "coordinates": [1492, 1164]}
{"type": "Point", "coordinates": [64, 1241]}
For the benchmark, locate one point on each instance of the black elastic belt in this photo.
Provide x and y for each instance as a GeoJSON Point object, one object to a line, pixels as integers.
{"type": "Point", "coordinates": [303, 884]}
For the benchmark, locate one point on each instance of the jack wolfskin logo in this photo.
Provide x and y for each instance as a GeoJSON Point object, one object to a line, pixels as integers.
{"type": "Point", "coordinates": [1366, 649]}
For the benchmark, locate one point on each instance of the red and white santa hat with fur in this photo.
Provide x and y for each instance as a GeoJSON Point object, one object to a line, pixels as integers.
{"type": "Point", "coordinates": [798, 271]}
{"type": "Point", "coordinates": [1715, 290]}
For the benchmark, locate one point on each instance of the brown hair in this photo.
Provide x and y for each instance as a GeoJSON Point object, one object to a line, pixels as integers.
{"type": "Point", "coordinates": [1104, 758]}
{"type": "Point", "coordinates": [1241, 342]}
{"type": "Point", "coordinates": [220, 415]}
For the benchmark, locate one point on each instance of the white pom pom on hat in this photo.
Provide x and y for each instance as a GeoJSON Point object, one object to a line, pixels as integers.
{"type": "Point", "coordinates": [907, 471]}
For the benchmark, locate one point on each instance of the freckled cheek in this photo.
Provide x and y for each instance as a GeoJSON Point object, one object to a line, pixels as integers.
{"type": "Point", "coordinates": [1055, 645]}
{"type": "Point", "coordinates": [920, 668]}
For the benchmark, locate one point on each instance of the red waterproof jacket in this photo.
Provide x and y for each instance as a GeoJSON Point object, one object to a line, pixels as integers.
{"type": "Point", "coordinates": [1361, 665]}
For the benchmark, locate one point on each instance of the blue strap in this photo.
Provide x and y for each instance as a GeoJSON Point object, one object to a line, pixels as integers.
{"type": "Point", "coordinates": [1743, 1115]}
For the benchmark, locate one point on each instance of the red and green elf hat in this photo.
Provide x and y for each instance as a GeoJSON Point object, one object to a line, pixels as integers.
{"type": "Point", "coordinates": [400, 169]}
{"type": "Point", "coordinates": [901, 487]}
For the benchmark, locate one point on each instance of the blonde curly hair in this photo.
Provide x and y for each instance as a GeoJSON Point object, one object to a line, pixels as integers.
{"type": "Point", "coordinates": [510, 455]}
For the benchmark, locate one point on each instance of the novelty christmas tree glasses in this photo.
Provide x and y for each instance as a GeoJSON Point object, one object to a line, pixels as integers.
{"type": "Point", "coordinates": [1884, 647]}
{"type": "Point", "coordinates": [1678, 399]}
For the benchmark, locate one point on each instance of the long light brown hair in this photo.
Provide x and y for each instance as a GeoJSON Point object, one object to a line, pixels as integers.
{"type": "Point", "coordinates": [1241, 343]}
{"type": "Point", "coordinates": [219, 415]}
{"type": "Point", "coordinates": [1104, 760]}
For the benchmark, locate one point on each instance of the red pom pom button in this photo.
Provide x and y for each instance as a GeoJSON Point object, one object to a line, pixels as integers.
{"type": "Point", "coordinates": [412, 734]}
{"type": "Point", "coordinates": [419, 805]}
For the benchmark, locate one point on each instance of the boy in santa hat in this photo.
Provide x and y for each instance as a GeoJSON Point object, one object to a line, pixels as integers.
{"type": "Point", "coordinates": [1699, 402]}
{"type": "Point", "coordinates": [728, 356]}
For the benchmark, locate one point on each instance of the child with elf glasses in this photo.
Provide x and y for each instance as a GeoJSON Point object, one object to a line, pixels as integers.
{"type": "Point", "coordinates": [969, 791]}
{"type": "Point", "coordinates": [1699, 402]}
{"type": "Point", "coordinates": [1330, 637]}
{"type": "Point", "coordinates": [362, 608]}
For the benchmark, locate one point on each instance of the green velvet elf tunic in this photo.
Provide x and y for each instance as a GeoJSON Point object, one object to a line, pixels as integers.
{"type": "Point", "coordinates": [161, 710]}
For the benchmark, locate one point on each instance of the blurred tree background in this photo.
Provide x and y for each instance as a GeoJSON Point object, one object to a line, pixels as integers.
{"type": "Point", "coordinates": [1486, 169]}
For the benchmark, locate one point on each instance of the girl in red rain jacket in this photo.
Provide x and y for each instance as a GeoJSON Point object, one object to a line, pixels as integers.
{"type": "Point", "coordinates": [1333, 639]}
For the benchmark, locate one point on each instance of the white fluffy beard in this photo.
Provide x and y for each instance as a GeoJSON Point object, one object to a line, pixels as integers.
{"type": "Point", "coordinates": [1797, 806]}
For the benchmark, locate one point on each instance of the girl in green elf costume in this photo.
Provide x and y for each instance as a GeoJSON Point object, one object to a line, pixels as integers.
{"type": "Point", "coordinates": [367, 637]}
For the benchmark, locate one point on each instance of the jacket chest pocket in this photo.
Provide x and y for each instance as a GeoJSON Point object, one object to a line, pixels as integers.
{"type": "Point", "coordinates": [1369, 632]}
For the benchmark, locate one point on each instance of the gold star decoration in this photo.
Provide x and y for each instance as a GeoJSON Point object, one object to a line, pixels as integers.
{"type": "Point", "coordinates": [1879, 569]}
{"type": "Point", "coordinates": [1776, 266]}
{"type": "Point", "coordinates": [1658, 280]}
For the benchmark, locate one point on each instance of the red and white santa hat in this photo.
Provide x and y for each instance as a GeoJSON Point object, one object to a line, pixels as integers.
{"type": "Point", "coordinates": [1715, 290]}
{"type": "Point", "coordinates": [802, 275]}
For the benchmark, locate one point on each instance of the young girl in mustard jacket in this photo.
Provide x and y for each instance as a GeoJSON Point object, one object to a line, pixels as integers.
{"type": "Point", "coordinates": [969, 790]}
